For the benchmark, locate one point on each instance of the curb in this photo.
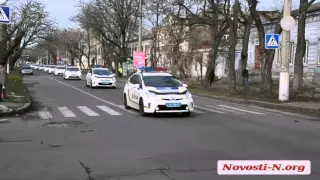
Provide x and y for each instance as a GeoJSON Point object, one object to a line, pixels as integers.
{"type": "Point", "coordinates": [22, 109]}
{"type": "Point", "coordinates": [263, 104]}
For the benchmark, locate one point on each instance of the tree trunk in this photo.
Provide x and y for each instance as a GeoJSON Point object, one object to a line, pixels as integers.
{"type": "Point", "coordinates": [232, 20]}
{"type": "Point", "coordinates": [300, 50]}
{"type": "Point", "coordinates": [215, 42]}
{"type": "Point", "coordinates": [245, 46]}
{"type": "Point", "coordinates": [3, 42]}
{"type": "Point", "coordinates": [267, 56]}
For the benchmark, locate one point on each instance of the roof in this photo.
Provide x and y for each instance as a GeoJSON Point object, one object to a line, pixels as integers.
{"type": "Point", "coordinates": [312, 8]}
{"type": "Point", "coordinates": [155, 74]}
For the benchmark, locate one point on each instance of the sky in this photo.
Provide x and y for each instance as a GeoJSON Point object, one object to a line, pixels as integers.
{"type": "Point", "coordinates": [63, 10]}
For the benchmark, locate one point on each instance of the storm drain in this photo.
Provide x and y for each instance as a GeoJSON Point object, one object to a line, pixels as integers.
{"type": "Point", "coordinates": [65, 124]}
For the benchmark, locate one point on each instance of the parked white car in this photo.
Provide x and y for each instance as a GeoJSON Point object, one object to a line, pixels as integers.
{"type": "Point", "coordinates": [101, 77]}
{"type": "Point", "coordinates": [72, 72]}
{"type": "Point", "coordinates": [59, 70]}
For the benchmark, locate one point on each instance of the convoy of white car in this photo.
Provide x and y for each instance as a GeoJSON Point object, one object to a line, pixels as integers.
{"type": "Point", "coordinates": [148, 92]}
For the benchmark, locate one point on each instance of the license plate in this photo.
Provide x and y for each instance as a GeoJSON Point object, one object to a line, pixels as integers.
{"type": "Point", "coordinates": [173, 104]}
{"type": "Point", "coordinates": [105, 83]}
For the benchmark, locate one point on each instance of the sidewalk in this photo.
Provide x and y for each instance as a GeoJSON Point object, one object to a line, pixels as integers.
{"type": "Point", "coordinates": [17, 100]}
{"type": "Point", "coordinates": [10, 108]}
{"type": "Point", "coordinates": [308, 107]}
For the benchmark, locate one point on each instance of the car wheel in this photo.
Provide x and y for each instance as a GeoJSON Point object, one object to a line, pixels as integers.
{"type": "Point", "coordinates": [125, 103]}
{"type": "Point", "coordinates": [114, 87]}
{"type": "Point", "coordinates": [141, 108]}
{"type": "Point", "coordinates": [186, 114]}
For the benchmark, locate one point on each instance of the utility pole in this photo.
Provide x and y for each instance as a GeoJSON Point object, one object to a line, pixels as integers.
{"type": "Point", "coordinates": [285, 50]}
{"type": "Point", "coordinates": [140, 27]}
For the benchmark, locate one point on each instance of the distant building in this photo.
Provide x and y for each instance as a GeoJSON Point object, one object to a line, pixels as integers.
{"type": "Point", "coordinates": [311, 61]}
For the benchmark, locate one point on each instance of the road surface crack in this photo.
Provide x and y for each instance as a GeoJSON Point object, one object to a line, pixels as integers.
{"type": "Point", "coordinates": [87, 169]}
{"type": "Point", "coordinates": [11, 141]}
{"type": "Point", "coordinates": [165, 174]}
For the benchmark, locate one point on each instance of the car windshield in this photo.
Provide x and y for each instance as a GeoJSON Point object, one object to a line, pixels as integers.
{"type": "Point", "coordinates": [26, 67]}
{"type": "Point", "coordinates": [72, 69]}
{"type": "Point", "coordinates": [60, 67]}
{"type": "Point", "coordinates": [102, 72]}
{"type": "Point", "coordinates": [161, 81]}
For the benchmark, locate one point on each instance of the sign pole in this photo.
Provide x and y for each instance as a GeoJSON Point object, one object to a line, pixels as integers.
{"type": "Point", "coordinates": [284, 78]}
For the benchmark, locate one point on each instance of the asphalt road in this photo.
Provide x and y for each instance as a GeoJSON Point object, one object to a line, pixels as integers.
{"type": "Point", "coordinates": [72, 123]}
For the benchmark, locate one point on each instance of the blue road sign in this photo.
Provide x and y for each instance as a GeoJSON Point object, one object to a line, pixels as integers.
{"type": "Point", "coordinates": [272, 41]}
{"type": "Point", "coordinates": [4, 15]}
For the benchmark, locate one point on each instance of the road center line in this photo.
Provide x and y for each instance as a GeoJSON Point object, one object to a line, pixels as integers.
{"type": "Point", "coordinates": [108, 102]}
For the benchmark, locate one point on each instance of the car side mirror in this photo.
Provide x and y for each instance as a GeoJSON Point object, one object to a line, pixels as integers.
{"type": "Point", "coordinates": [185, 85]}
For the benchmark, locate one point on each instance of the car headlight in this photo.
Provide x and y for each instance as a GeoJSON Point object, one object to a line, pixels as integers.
{"type": "Point", "coordinates": [113, 79]}
{"type": "Point", "coordinates": [188, 95]}
{"type": "Point", "coordinates": [150, 94]}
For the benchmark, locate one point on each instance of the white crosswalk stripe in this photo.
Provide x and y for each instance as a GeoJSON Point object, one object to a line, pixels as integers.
{"type": "Point", "coordinates": [87, 111]}
{"type": "Point", "coordinates": [224, 109]}
{"type": "Point", "coordinates": [209, 109]}
{"type": "Point", "coordinates": [44, 114]}
{"type": "Point", "coordinates": [199, 112]}
{"type": "Point", "coordinates": [109, 110]}
{"type": "Point", "coordinates": [66, 112]}
{"type": "Point", "coordinates": [238, 109]}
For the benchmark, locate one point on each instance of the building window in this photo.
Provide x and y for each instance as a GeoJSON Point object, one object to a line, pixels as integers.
{"type": "Point", "coordinates": [292, 53]}
{"type": "Point", "coordinates": [318, 51]}
{"type": "Point", "coordinates": [305, 59]}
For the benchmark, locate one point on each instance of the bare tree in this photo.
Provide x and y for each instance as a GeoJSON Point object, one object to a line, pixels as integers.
{"type": "Point", "coordinates": [113, 21]}
{"type": "Point", "coordinates": [266, 55]}
{"type": "Point", "coordinates": [211, 15]}
{"type": "Point", "coordinates": [301, 45]}
{"type": "Point", "coordinates": [246, 21]}
{"type": "Point", "coordinates": [155, 13]}
{"type": "Point", "coordinates": [30, 24]}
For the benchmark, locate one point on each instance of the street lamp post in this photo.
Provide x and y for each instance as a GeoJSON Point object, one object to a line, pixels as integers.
{"type": "Point", "coordinates": [287, 24]}
{"type": "Point", "coordinates": [140, 26]}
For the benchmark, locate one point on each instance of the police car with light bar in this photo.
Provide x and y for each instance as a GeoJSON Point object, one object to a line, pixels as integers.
{"type": "Point", "coordinates": [101, 77]}
{"type": "Point", "coordinates": [157, 92]}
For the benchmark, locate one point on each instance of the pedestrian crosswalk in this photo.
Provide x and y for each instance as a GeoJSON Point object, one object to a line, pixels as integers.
{"type": "Point", "coordinates": [118, 110]}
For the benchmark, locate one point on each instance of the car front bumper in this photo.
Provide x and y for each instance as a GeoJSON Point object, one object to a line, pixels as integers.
{"type": "Point", "coordinates": [73, 77]}
{"type": "Point", "coordinates": [99, 83]}
{"type": "Point", "coordinates": [58, 73]}
{"type": "Point", "coordinates": [159, 106]}
{"type": "Point", "coordinates": [27, 72]}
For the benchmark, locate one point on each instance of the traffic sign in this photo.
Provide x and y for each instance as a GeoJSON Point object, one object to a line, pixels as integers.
{"type": "Point", "coordinates": [4, 15]}
{"type": "Point", "coordinates": [272, 41]}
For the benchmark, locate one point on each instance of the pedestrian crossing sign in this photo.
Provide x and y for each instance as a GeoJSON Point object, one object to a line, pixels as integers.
{"type": "Point", "coordinates": [4, 15]}
{"type": "Point", "coordinates": [272, 41]}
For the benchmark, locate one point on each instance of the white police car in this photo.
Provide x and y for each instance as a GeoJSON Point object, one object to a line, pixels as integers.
{"type": "Point", "coordinates": [101, 77]}
{"type": "Point", "coordinates": [72, 72]}
{"type": "Point", "coordinates": [157, 92]}
{"type": "Point", "coordinates": [59, 70]}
